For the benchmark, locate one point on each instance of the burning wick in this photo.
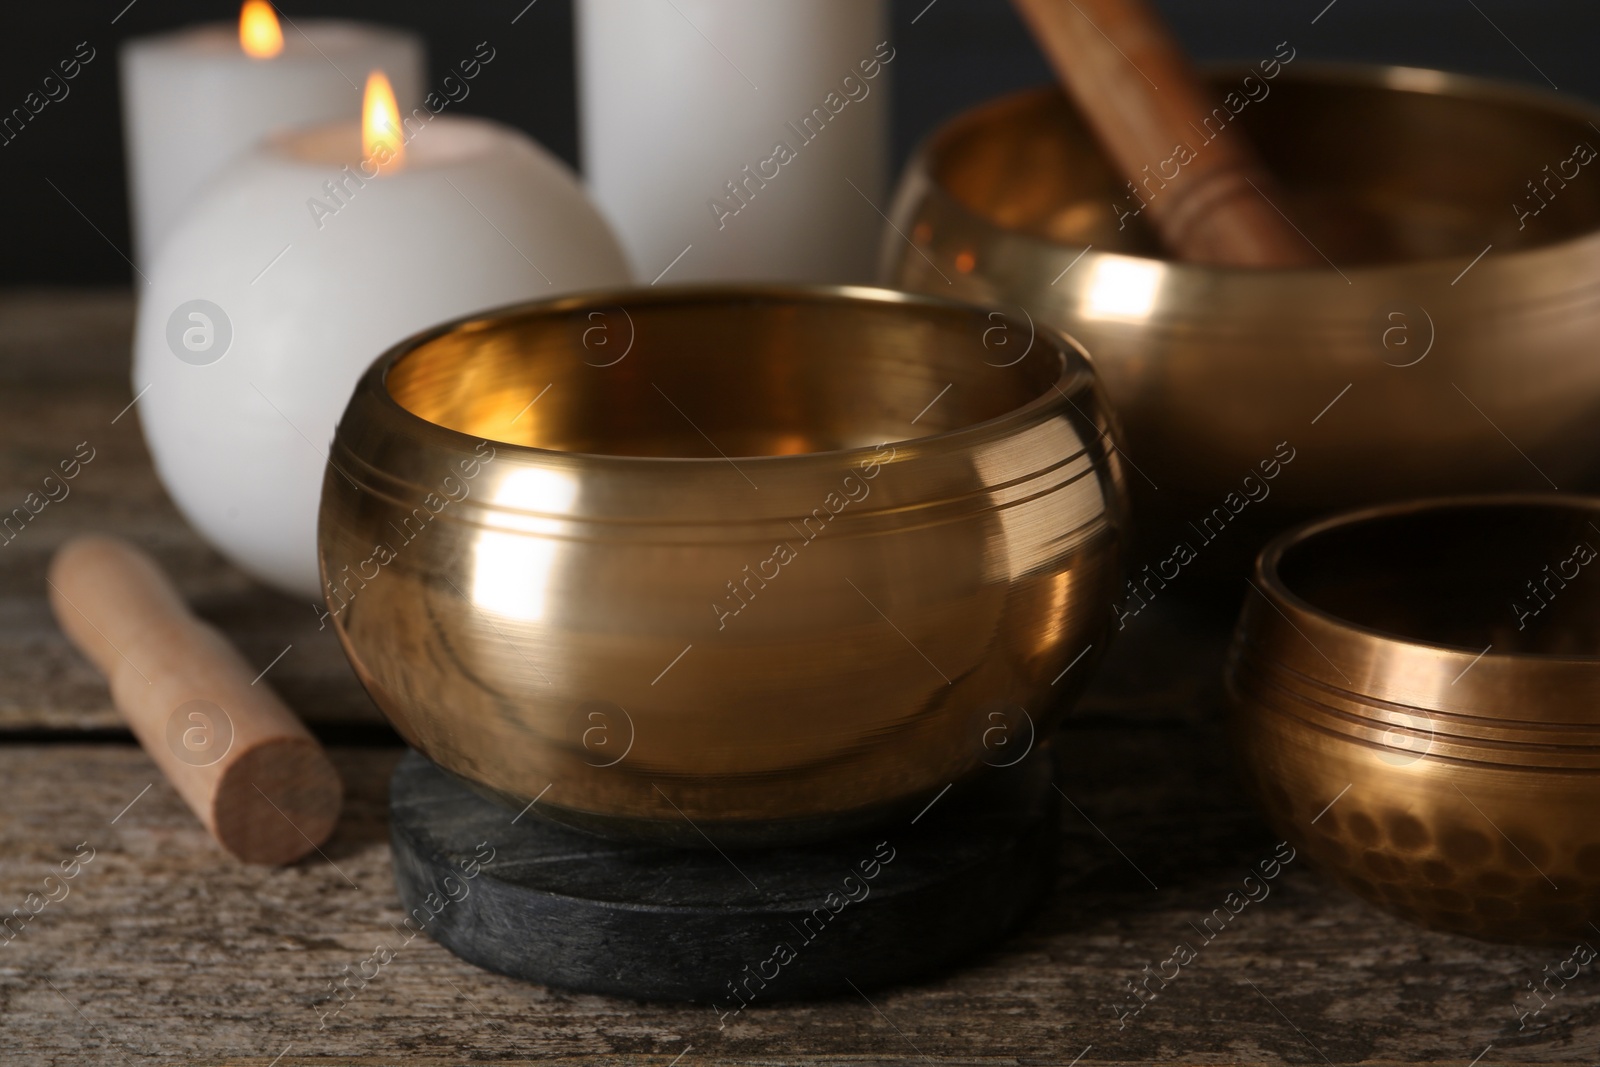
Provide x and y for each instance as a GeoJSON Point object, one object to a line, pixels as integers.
{"type": "Point", "coordinates": [380, 124]}
{"type": "Point", "coordinates": [259, 33]}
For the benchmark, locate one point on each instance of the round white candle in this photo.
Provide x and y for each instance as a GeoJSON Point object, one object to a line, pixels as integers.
{"type": "Point", "coordinates": [678, 97]}
{"type": "Point", "coordinates": [193, 100]}
{"type": "Point", "coordinates": [309, 268]}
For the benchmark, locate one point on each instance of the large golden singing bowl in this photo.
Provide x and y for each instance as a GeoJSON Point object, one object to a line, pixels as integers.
{"type": "Point", "coordinates": [1417, 696]}
{"type": "Point", "coordinates": [1408, 366]}
{"type": "Point", "coordinates": [754, 563]}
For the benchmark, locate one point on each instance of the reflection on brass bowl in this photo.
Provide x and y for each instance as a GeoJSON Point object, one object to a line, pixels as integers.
{"type": "Point", "coordinates": [1401, 372]}
{"type": "Point", "coordinates": [753, 563]}
{"type": "Point", "coordinates": [1415, 693]}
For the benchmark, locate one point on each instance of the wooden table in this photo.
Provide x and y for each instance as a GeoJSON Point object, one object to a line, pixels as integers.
{"type": "Point", "coordinates": [166, 951]}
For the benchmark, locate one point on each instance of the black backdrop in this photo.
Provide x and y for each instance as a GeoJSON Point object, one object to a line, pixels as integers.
{"type": "Point", "coordinates": [952, 53]}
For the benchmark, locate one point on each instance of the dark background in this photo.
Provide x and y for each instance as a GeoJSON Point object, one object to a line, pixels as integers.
{"type": "Point", "coordinates": [951, 54]}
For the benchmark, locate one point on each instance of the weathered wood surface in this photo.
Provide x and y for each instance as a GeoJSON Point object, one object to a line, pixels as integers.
{"type": "Point", "coordinates": [163, 950]}
{"type": "Point", "coordinates": [64, 381]}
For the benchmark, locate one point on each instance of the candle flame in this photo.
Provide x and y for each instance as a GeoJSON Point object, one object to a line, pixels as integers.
{"type": "Point", "coordinates": [259, 33]}
{"type": "Point", "coordinates": [380, 124]}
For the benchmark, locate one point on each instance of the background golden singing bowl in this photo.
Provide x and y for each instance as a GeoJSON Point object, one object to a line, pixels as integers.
{"type": "Point", "coordinates": [757, 562]}
{"type": "Point", "coordinates": [1416, 690]}
{"type": "Point", "coordinates": [1403, 178]}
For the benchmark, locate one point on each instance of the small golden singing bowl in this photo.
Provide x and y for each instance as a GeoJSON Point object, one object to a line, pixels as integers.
{"type": "Point", "coordinates": [751, 563]}
{"type": "Point", "coordinates": [1416, 692]}
{"type": "Point", "coordinates": [1461, 219]}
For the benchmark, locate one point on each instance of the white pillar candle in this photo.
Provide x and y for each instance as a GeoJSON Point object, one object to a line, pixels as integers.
{"type": "Point", "coordinates": [735, 130]}
{"type": "Point", "coordinates": [296, 271]}
{"type": "Point", "coordinates": [193, 100]}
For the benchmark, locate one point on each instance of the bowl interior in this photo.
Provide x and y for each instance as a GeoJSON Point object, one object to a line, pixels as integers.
{"type": "Point", "coordinates": [1522, 577]}
{"type": "Point", "coordinates": [1376, 170]}
{"type": "Point", "coordinates": [713, 376]}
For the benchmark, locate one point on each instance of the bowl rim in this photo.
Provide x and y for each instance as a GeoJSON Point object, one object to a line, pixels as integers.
{"type": "Point", "coordinates": [1078, 376]}
{"type": "Point", "coordinates": [1392, 76]}
{"type": "Point", "coordinates": [1276, 591]}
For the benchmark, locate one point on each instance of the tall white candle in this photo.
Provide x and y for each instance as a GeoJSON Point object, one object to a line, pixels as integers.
{"type": "Point", "coordinates": [751, 134]}
{"type": "Point", "coordinates": [303, 264]}
{"type": "Point", "coordinates": [193, 100]}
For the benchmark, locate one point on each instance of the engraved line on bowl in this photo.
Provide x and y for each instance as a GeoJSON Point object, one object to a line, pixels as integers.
{"type": "Point", "coordinates": [1502, 433]}
{"type": "Point", "coordinates": [124, 11]}
{"type": "Point", "coordinates": [897, 229]}
{"type": "Point", "coordinates": [524, 11]}
{"type": "Point", "coordinates": [503, 636]}
{"type": "Point", "coordinates": [1369, 717]}
{"type": "Point", "coordinates": [1332, 402]}
{"type": "Point", "coordinates": [702, 833]}
{"type": "Point", "coordinates": [375, 485]}
{"type": "Point", "coordinates": [1450, 749]}
{"type": "Point", "coordinates": [498, 230]}
{"type": "Point", "coordinates": [286, 1049]}
{"type": "Point", "coordinates": [1071, 665]}
{"type": "Point", "coordinates": [1485, 1052]}
{"type": "Point", "coordinates": [931, 803]}
{"type": "Point", "coordinates": [1512, 43]}
{"type": "Point", "coordinates": [901, 632]}
{"type": "Point", "coordinates": [131, 803]}
{"type": "Point", "coordinates": [302, 833]}
{"type": "Point", "coordinates": [1105, 435]}
{"type": "Point", "coordinates": [1324, 11]}
{"type": "Point", "coordinates": [1331, 803]}
{"type": "Point", "coordinates": [531, 803]}
{"type": "Point", "coordinates": [1080, 1055]}
{"type": "Point", "coordinates": [702, 433]}
{"type": "Point", "coordinates": [1474, 262]}
{"type": "Point", "coordinates": [1288, 1020]}
{"type": "Point", "coordinates": [1297, 229]}
{"type": "Point", "coordinates": [886, 1019]}
{"type": "Point", "coordinates": [1102, 833]}
{"type": "Point", "coordinates": [924, 11]}
{"type": "Point", "coordinates": [1502, 833]}
{"type": "Point", "coordinates": [680, 1056]}
{"type": "Point", "coordinates": [1297, 629]}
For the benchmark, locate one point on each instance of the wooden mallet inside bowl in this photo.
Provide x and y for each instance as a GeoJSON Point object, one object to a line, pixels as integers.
{"type": "Point", "coordinates": [1139, 93]}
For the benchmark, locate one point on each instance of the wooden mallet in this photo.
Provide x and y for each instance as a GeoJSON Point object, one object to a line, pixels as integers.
{"type": "Point", "coordinates": [241, 760]}
{"type": "Point", "coordinates": [1140, 95]}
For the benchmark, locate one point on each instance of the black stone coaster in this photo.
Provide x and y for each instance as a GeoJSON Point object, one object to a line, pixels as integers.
{"type": "Point", "coordinates": [543, 902]}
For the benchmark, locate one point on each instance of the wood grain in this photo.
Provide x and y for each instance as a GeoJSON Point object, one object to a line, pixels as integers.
{"type": "Point", "coordinates": [64, 359]}
{"type": "Point", "coordinates": [164, 950]}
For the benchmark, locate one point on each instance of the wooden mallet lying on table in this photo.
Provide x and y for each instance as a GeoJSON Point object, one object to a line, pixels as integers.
{"type": "Point", "coordinates": [1140, 95]}
{"type": "Point", "coordinates": [241, 760]}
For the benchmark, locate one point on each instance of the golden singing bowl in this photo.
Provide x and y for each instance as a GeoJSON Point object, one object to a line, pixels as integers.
{"type": "Point", "coordinates": [1407, 369]}
{"type": "Point", "coordinates": [750, 563]}
{"type": "Point", "coordinates": [1416, 693]}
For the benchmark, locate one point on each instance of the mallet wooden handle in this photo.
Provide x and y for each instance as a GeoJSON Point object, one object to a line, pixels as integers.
{"type": "Point", "coordinates": [241, 760]}
{"type": "Point", "coordinates": [1142, 98]}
